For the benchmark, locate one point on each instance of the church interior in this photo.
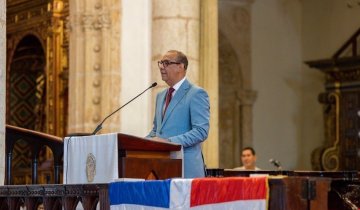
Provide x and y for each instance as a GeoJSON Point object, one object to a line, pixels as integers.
{"type": "Point", "coordinates": [282, 77]}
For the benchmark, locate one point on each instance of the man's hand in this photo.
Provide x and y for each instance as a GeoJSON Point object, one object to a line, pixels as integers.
{"type": "Point", "coordinates": [160, 139]}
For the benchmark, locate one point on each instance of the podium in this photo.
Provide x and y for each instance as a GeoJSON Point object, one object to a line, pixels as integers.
{"type": "Point", "coordinates": [107, 157]}
{"type": "Point", "coordinates": [147, 159]}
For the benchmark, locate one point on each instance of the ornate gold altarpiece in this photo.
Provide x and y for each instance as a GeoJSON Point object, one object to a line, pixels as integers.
{"type": "Point", "coordinates": [37, 73]}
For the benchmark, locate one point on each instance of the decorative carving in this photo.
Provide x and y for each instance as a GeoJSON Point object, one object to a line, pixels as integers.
{"type": "Point", "coordinates": [94, 24]}
{"type": "Point", "coordinates": [326, 157]}
{"type": "Point", "coordinates": [96, 21]}
{"type": "Point", "coordinates": [341, 102]}
{"type": "Point", "coordinates": [330, 157]}
{"type": "Point", "coordinates": [40, 106]}
{"type": "Point", "coordinates": [96, 100]}
{"type": "Point", "coordinates": [90, 167]}
{"type": "Point", "coordinates": [97, 67]}
{"type": "Point", "coordinates": [56, 196]}
{"type": "Point", "coordinates": [350, 103]}
{"type": "Point", "coordinates": [96, 83]}
{"type": "Point", "coordinates": [96, 118]}
{"type": "Point", "coordinates": [25, 16]}
{"type": "Point", "coordinates": [230, 73]}
{"type": "Point", "coordinates": [344, 76]}
{"type": "Point", "coordinates": [97, 48]}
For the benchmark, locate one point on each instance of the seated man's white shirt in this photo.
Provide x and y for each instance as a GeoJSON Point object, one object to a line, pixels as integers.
{"type": "Point", "coordinates": [243, 168]}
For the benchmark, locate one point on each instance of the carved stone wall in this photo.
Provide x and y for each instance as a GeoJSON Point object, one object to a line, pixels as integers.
{"type": "Point", "coordinates": [2, 88]}
{"type": "Point", "coordinates": [235, 87]}
{"type": "Point", "coordinates": [94, 84]}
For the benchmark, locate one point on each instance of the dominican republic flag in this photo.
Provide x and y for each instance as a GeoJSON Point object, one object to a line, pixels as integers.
{"type": "Point", "coordinates": [245, 193]}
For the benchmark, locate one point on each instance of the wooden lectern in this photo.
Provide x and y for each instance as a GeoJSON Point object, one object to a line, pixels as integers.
{"type": "Point", "coordinates": [107, 157]}
{"type": "Point", "coordinates": [143, 158]}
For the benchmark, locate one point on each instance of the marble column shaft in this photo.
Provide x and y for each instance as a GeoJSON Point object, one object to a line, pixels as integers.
{"type": "Point", "coordinates": [209, 76]}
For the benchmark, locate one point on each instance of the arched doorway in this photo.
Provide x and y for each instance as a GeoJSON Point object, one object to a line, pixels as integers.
{"type": "Point", "coordinates": [26, 85]}
{"type": "Point", "coordinates": [26, 101]}
{"type": "Point", "coordinates": [230, 84]}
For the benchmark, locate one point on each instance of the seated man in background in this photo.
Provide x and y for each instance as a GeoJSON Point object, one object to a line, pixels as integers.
{"type": "Point", "coordinates": [248, 159]}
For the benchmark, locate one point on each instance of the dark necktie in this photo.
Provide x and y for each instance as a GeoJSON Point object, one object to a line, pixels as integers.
{"type": "Point", "coordinates": [168, 98]}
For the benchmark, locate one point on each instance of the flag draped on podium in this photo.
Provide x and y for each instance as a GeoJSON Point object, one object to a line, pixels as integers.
{"type": "Point", "coordinates": [202, 194]}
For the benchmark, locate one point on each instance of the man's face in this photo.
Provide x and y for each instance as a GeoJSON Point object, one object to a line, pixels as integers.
{"type": "Point", "coordinates": [171, 72]}
{"type": "Point", "coordinates": [248, 159]}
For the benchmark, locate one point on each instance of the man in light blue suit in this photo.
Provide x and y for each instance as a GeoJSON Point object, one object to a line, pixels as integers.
{"type": "Point", "coordinates": [182, 113]}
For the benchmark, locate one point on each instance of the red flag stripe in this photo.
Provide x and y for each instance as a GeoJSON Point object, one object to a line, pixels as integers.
{"type": "Point", "coordinates": [215, 190]}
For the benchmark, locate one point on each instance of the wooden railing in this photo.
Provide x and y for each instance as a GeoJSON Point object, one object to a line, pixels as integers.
{"type": "Point", "coordinates": [50, 196]}
{"type": "Point", "coordinates": [138, 158]}
{"type": "Point", "coordinates": [36, 141]}
{"type": "Point", "coordinates": [54, 197]}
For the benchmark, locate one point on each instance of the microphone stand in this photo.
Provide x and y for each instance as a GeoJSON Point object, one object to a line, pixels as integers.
{"type": "Point", "coordinates": [276, 163]}
{"type": "Point", "coordinates": [99, 127]}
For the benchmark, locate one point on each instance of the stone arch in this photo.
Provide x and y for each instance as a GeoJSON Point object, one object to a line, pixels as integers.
{"type": "Point", "coordinates": [26, 90]}
{"type": "Point", "coordinates": [230, 83]}
{"type": "Point", "coordinates": [236, 84]}
{"type": "Point", "coordinates": [26, 84]}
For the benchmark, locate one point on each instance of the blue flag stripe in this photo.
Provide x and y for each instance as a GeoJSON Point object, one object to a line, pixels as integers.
{"type": "Point", "coordinates": [155, 193]}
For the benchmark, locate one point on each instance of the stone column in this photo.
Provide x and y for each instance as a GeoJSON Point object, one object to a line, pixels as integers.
{"type": "Point", "coordinates": [2, 88]}
{"type": "Point", "coordinates": [209, 78]}
{"type": "Point", "coordinates": [247, 99]}
{"type": "Point", "coordinates": [179, 24]}
{"type": "Point", "coordinates": [136, 66]}
{"type": "Point", "coordinates": [94, 80]}
{"type": "Point", "coordinates": [191, 27]}
{"type": "Point", "coordinates": [176, 27]}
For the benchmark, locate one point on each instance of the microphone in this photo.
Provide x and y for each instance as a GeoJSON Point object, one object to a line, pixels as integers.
{"type": "Point", "coordinates": [276, 163]}
{"type": "Point", "coordinates": [99, 127]}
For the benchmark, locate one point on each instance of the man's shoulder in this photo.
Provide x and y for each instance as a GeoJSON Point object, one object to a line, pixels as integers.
{"type": "Point", "coordinates": [196, 89]}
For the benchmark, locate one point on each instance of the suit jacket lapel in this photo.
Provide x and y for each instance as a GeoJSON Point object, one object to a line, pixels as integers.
{"type": "Point", "coordinates": [180, 93]}
{"type": "Point", "coordinates": [159, 108]}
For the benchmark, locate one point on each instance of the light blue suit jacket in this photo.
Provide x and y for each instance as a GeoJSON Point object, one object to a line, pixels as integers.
{"type": "Point", "coordinates": [186, 122]}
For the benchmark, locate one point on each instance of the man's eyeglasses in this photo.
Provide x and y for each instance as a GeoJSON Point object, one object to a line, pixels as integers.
{"type": "Point", "coordinates": [166, 63]}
